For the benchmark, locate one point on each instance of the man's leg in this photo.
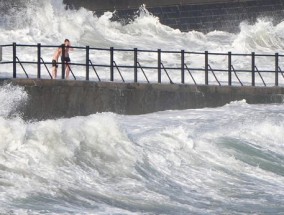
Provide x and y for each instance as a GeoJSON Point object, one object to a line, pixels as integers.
{"type": "Point", "coordinates": [67, 71]}
{"type": "Point", "coordinates": [54, 72]}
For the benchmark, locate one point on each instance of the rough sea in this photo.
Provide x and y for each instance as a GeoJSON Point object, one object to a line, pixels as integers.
{"type": "Point", "coordinates": [225, 160]}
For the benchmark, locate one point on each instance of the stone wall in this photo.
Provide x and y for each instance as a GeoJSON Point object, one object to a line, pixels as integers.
{"type": "Point", "coordinates": [50, 99]}
{"type": "Point", "coordinates": [110, 5]}
{"type": "Point", "coordinates": [202, 15]}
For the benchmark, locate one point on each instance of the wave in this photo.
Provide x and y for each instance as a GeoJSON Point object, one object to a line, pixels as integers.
{"type": "Point", "coordinates": [160, 163]}
{"type": "Point", "coordinates": [226, 160]}
{"type": "Point", "coordinates": [263, 36]}
{"type": "Point", "coordinates": [50, 22]}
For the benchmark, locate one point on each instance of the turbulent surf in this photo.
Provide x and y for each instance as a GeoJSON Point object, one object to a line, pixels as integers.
{"type": "Point", "coordinates": [225, 160]}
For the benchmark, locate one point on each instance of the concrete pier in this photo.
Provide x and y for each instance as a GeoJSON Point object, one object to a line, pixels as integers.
{"type": "Point", "coordinates": [49, 99]}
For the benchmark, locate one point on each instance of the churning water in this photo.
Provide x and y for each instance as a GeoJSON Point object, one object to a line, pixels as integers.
{"type": "Point", "coordinates": [226, 160]}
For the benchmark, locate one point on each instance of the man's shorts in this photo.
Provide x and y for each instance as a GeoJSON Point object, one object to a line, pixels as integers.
{"type": "Point", "coordinates": [66, 59]}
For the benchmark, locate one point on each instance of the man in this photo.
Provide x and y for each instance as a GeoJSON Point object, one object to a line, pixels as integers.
{"type": "Point", "coordinates": [55, 61]}
{"type": "Point", "coordinates": [66, 57]}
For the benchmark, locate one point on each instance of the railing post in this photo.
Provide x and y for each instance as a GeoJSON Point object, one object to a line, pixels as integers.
{"type": "Point", "coordinates": [111, 63]}
{"type": "Point", "coordinates": [38, 60]}
{"type": "Point", "coordinates": [14, 60]}
{"type": "Point", "coordinates": [182, 66]}
{"type": "Point", "coordinates": [206, 67]}
{"type": "Point", "coordinates": [229, 68]}
{"type": "Point", "coordinates": [135, 65]}
{"type": "Point", "coordinates": [87, 62]}
{"type": "Point", "coordinates": [253, 69]}
{"type": "Point", "coordinates": [0, 53]}
{"type": "Point", "coordinates": [159, 66]}
{"type": "Point", "coordinates": [276, 68]}
{"type": "Point", "coordinates": [62, 61]}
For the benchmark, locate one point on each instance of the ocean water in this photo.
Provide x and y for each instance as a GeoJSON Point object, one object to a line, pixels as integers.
{"type": "Point", "coordinates": [225, 160]}
{"type": "Point", "coordinates": [47, 22]}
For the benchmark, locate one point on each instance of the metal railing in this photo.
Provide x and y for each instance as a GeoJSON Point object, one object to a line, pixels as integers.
{"type": "Point", "coordinates": [161, 70]}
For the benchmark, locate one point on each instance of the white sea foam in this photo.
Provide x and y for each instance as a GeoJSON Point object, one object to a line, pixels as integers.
{"type": "Point", "coordinates": [48, 23]}
{"type": "Point", "coordinates": [226, 160]}
{"type": "Point", "coordinates": [154, 163]}
{"type": "Point", "coordinates": [11, 97]}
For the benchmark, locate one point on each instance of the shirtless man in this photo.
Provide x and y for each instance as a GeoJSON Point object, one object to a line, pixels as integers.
{"type": "Point", "coordinates": [66, 57]}
{"type": "Point", "coordinates": [55, 57]}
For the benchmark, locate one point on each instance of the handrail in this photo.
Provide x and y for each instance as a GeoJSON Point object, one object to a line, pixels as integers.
{"type": "Point", "coordinates": [282, 73]}
{"type": "Point", "coordinates": [22, 67]}
{"type": "Point", "coordinates": [190, 74]}
{"type": "Point", "coordinates": [118, 71]}
{"type": "Point", "coordinates": [260, 76]}
{"type": "Point", "coordinates": [157, 67]}
{"type": "Point", "coordinates": [167, 73]}
{"type": "Point", "coordinates": [214, 75]}
{"type": "Point", "coordinates": [143, 72]}
{"type": "Point", "coordinates": [236, 75]}
{"type": "Point", "coordinates": [46, 68]}
{"type": "Point", "coordinates": [94, 70]}
{"type": "Point", "coordinates": [71, 71]}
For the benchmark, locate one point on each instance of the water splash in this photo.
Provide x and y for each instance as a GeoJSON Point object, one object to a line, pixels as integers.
{"type": "Point", "coordinates": [262, 37]}
{"type": "Point", "coordinates": [11, 98]}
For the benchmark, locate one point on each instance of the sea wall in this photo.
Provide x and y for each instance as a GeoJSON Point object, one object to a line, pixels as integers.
{"type": "Point", "coordinates": [188, 15]}
{"type": "Point", "coordinates": [50, 99]}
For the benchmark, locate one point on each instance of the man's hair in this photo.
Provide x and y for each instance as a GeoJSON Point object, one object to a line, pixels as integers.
{"type": "Point", "coordinates": [66, 40]}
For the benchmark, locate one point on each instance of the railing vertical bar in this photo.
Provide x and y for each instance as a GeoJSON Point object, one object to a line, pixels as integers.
{"type": "Point", "coordinates": [0, 53]}
{"type": "Point", "coordinates": [14, 60]}
{"type": "Point", "coordinates": [38, 60]}
{"type": "Point", "coordinates": [253, 69]}
{"type": "Point", "coordinates": [135, 65]}
{"type": "Point", "coordinates": [182, 66]}
{"type": "Point", "coordinates": [159, 66]}
{"type": "Point", "coordinates": [206, 68]}
{"type": "Point", "coordinates": [87, 62]}
{"type": "Point", "coordinates": [229, 68]}
{"type": "Point", "coordinates": [62, 61]}
{"type": "Point", "coordinates": [276, 69]}
{"type": "Point", "coordinates": [111, 64]}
